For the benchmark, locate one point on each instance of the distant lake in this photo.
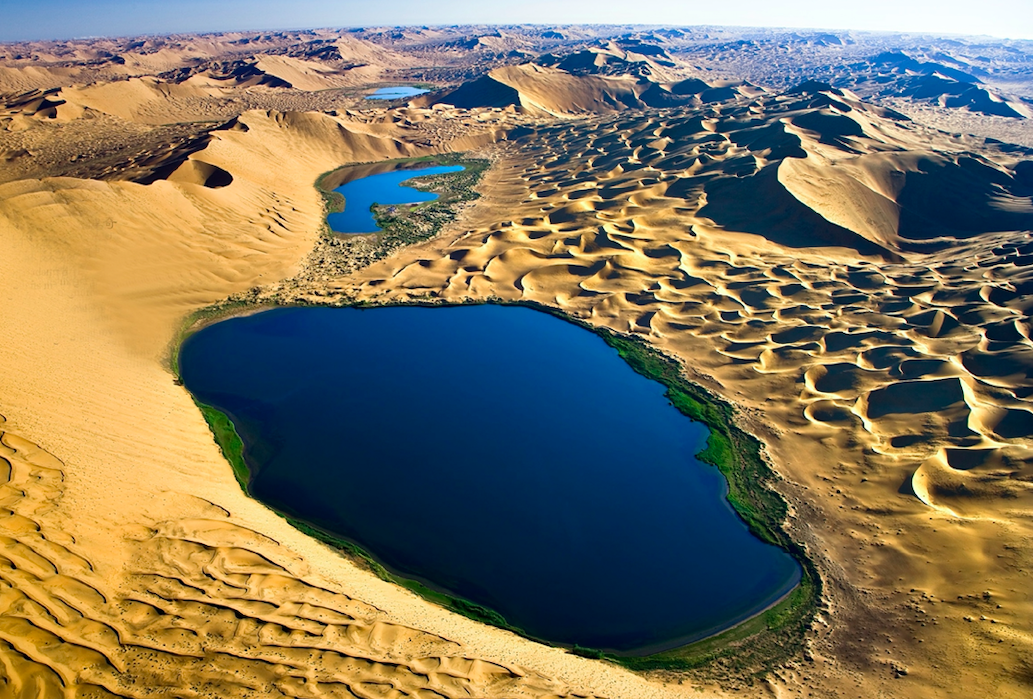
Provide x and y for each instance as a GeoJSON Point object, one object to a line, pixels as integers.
{"type": "Point", "coordinates": [394, 93]}
{"type": "Point", "coordinates": [383, 188]}
{"type": "Point", "coordinates": [496, 453]}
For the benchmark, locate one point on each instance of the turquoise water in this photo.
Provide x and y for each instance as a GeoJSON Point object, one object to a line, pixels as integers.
{"type": "Point", "coordinates": [385, 188]}
{"type": "Point", "coordinates": [496, 453]}
{"type": "Point", "coordinates": [393, 93]}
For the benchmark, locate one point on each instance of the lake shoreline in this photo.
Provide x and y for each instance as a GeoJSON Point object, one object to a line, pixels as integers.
{"type": "Point", "coordinates": [781, 623]}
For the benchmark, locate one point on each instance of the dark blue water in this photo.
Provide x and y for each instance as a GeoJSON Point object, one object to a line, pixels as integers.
{"type": "Point", "coordinates": [384, 188]}
{"type": "Point", "coordinates": [497, 453]}
{"type": "Point", "coordinates": [393, 93]}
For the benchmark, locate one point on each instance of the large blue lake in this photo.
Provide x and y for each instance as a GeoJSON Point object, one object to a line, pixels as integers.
{"type": "Point", "coordinates": [383, 188]}
{"type": "Point", "coordinates": [496, 453]}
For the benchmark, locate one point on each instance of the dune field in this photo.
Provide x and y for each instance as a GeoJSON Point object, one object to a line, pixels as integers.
{"type": "Point", "coordinates": [854, 282]}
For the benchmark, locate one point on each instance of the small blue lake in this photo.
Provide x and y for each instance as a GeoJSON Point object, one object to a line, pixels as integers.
{"type": "Point", "coordinates": [394, 93]}
{"type": "Point", "coordinates": [384, 188]}
{"type": "Point", "coordinates": [496, 453]}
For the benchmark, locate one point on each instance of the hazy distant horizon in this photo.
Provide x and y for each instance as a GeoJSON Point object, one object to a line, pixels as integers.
{"type": "Point", "coordinates": [72, 19]}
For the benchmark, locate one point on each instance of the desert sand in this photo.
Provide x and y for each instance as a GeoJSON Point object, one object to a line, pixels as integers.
{"type": "Point", "coordinates": [854, 282]}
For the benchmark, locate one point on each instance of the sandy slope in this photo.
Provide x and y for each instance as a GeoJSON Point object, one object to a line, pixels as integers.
{"type": "Point", "coordinates": [864, 303]}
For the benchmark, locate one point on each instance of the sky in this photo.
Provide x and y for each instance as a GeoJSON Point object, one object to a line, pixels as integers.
{"type": "Point", "coordinates": [62, 19]}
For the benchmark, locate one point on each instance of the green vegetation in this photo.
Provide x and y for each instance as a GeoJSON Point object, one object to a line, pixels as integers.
{"type": "Point", "coordinates": [406, 224]}
{"type": "Point", "coordinates": [735, 453]}
{"type": "Point", "coordinates": [333, 201]}
{"type": "Point", "coordinates": [760, 643]}
{"type": "Point", "coordinates": [228, 440]}
{"type": "Point", "coordinates": [401, 224]}
{"type": "Point", "coordinates": [222, 427]}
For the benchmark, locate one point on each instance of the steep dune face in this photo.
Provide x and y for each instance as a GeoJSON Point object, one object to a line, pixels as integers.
{"type": "Point", "coordinates": [780, 215]}
{"type": "Point", "coordinates": [912, 201]}
{"type": "Point", "coordinates": [485, 91]}
{"type": "Point", "coordinates": [544, 91]}
{"type": "Point", "coordinates": [885, 367]}
{"type": "Point", "coordinates": [234, 198]}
